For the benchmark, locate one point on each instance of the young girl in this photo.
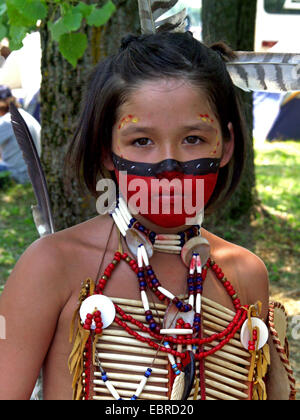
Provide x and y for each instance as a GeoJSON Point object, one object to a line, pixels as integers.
{"type": "Point", "coordinates": [163, 108]}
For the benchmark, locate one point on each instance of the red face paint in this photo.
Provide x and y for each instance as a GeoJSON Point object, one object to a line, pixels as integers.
{"type": "Point", "coordinates": [168, 193]}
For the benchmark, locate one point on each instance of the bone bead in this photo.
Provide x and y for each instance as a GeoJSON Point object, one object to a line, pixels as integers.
{"type": "Point", "coordinates": [176, 331]}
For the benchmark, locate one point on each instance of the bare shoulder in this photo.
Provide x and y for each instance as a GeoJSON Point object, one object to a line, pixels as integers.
{"type": "Point", "coordinates": [37, 301]}
{"type": "Point", "coordinates": [53, 258]}
{"type": "Point", "coordinates": [248, 271]}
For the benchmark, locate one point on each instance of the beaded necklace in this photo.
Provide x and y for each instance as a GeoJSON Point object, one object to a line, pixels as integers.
{"type": "Point", "coordinates": [135, 233]}
{"type": "Point", "coordinates": [227, 334]}
{"type": "Point", "coordinates": [164, 243]}
{"type": "Point", "coordinates": [186, 332]}
{"type": "Point", "coordinates": [186, 328]}
{"type": "Point", "coordinates": [191, 340]}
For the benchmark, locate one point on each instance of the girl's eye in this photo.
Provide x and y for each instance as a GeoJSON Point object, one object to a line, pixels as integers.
{"type": "Point", "coordinates": [193, 140]}
{"type": "Point", "coordinates": [142, 142]}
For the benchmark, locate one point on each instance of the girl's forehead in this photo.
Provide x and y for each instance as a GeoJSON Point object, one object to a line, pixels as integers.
{"type": "Point", "coordinates": [167, 98]}
{"type": "Point", "coordinates": [162, 90]}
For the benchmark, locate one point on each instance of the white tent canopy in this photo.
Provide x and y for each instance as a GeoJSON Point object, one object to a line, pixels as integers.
{"type": "Point", "coordinates": [22, 69]}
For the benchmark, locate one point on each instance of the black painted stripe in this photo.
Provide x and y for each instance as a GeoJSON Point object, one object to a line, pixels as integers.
{"type": "Point", "coordinates": [193, 167]}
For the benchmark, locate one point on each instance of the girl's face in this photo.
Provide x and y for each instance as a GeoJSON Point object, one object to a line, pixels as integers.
{"type": "Point", "coordinates": [164, 122]}
{"type": "Point", "coordinates": [168, 119]}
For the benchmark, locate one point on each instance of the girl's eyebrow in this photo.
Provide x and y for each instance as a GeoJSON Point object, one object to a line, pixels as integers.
{"type": "Point", "coordinates": [131, 129]}
{"type": "Point", "coordinates": [200, 126]}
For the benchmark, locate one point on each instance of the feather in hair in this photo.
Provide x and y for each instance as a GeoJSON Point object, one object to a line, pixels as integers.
{"type": "Point", "coordinates": [151, 10]}
{"type": "Point", "coordinates": [42, 211]}
{"type": "Point", "coordinates": [250, 71]}
{"type": "Point", "coordinates": [272, 72]}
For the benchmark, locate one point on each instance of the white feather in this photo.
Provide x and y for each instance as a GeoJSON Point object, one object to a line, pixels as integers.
{"type": "Point", "coordinates": [272, 72]}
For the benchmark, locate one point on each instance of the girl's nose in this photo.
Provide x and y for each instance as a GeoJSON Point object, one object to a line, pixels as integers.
{"type": "Point", "coordinates": [169, 169]}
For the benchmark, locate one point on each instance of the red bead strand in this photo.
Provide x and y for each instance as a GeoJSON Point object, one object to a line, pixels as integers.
{"type": "Point", "coordinates": [224, 336]}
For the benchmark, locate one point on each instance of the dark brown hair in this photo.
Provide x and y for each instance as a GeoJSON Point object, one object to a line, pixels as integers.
{"type": "Point", "coordinates": [152, 57]}
{"type": "Point", "coordinates": [4, 104]}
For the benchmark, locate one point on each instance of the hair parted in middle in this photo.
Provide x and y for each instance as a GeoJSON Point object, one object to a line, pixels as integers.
{"type": "Point", "coordinates": [148, 58]}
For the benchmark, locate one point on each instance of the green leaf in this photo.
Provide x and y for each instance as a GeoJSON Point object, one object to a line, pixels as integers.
{"type": "Point", "coordinates": [72, 20]}
{"type": "Point", "coordinates": [65, 24]}
{"type": "Point", "coordinates": [3, 9]}
{"type": "Point", "coordinates": [57, 29]}
{"type": "Point", "coordinates": [84, 9]}
{"type": "Point", "coordinates": [64, 7]}
{"type": "Point", "coordinates": [72, 46]}
{"type": "Point", "coordinates": [16, 36]}
{"type": "Point", "coordinates": [15, 17]}
{"type": "Point", "coordinates": [31, 10]}
{"type": "Point", "coordinates": [3, 31]}
{"type": "Point", "coordinates": [100, 16]}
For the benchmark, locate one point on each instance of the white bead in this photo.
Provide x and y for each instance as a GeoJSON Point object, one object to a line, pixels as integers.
{"type": "Point", "coordinates": [170, 356]}
{"type": "Point", "coordinates": [164, 237]}
{"type": "Point", "coordinates": [122, 205]}
{"type": "Point", "coordinates": [145, 300]}
{"type": "Point", "coordinates": [198, 264]}
{"type": "Point", "coordinates": [193, 264]}
{"type": "Point", "coordinates": [145, 255]}
{"type": "Point", "coordinates": [127, 221]}
{"type": "Point", "coordinates": [198, 303]}
{"type": "Point", "coordinates": [139, 257]}
{"type": "Point", "coordinates": [117, 222]}
{"type": "Point", "coordinates": [112, 390]}
{"type": "Point", "coordinates": [191, 300]}
{"type": "Point", "coordinates": [121, 219]}
{"type": "Point", "coordinates": [168, 251]}
{"type": "Point", "coordinates": [168, 247]}
{"type": "Point", "coordinates": [167, 242]}
{"type": "Point", "coordinates": [165, 292]}
{"type": "Point", "coordinates": [176, 331]}
{"type": "Point", "coordinates": [141, 386]}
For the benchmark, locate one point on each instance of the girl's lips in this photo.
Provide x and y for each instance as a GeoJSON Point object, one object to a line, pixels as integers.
{"type": "Point", "coordinates": [171, 199]}
{"type": "Point", "coordinates": [165, 198]}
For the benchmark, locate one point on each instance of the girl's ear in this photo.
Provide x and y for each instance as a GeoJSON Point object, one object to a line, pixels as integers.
{"type": "Point", "coordinates": [228, 147]}
{"type": "Point", "coordinates": [107, 161]}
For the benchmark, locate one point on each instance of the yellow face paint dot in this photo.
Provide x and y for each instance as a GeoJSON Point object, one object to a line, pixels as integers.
{"type": "Point", "coordinates": [126, 120]}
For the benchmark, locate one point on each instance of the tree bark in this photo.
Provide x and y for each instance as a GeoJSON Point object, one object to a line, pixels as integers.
{"type": "Point", "coordinates": [233, 21]}
{"type": "Point", "coordinates": [61, 93]}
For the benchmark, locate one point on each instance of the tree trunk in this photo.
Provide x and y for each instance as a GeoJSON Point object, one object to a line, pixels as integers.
{"type": "Point", "coordinates": [233, 21]}
{"type": "Point", "coordinates": [61, 92]}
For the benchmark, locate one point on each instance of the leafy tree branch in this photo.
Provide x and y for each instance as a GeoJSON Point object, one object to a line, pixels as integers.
{"type": "Point", "coordinates": [64, 19]}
